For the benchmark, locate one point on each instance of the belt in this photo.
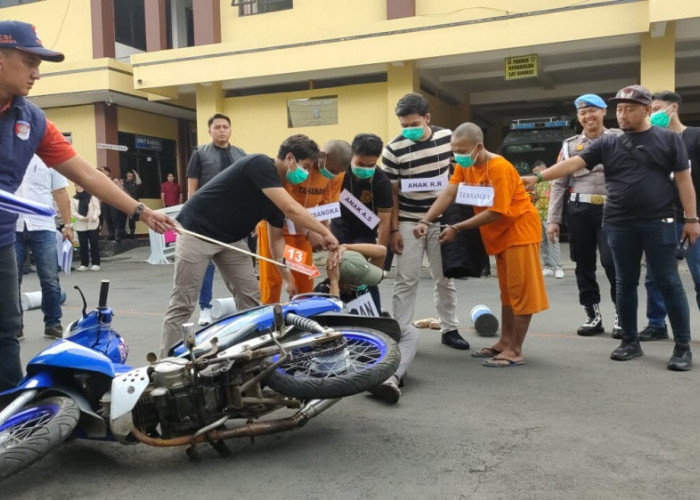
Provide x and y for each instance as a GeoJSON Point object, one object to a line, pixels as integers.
{"type": "Point", "coordinates": [593, 199]}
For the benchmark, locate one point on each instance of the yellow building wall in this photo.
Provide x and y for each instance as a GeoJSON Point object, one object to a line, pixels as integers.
{"type": "Point", "coordinates": [80, 122]}
{"type": "Point", "coordinates": [63, 25]}
{"type": "Point", "coordinates": [133, 121]}
{"type": "Point", "coordinates": [308, 20]}
{"type": "Point", "coordinates": [259, 122]}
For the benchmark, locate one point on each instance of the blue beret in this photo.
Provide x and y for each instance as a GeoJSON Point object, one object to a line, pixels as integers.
{"type": "Point", "coordinates": [587, 100]}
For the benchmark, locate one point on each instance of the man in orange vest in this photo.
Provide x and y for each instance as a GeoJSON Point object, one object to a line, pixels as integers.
{"type": "Point", "coordinates": [318, 186]}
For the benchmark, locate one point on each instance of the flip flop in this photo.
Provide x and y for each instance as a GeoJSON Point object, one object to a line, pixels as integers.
{"type": "Point", "coordinates": [486, 352]}
{"type": "Point", "coordinates": [424, 323]}
{"type": "Point", "coordinates": [493, 363]}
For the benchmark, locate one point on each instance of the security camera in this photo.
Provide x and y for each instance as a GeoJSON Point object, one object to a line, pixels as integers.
{"type": "Point", "coordinates": [109, 101]}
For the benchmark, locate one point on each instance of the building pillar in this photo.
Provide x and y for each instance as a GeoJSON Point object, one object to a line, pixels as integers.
{"type": "Point", "coordinates": [156, 31]}
{"type": "Point", "coordinates": [207, 21]}
{"type": "Point", "coordinates": [401, 78]}
{"type": "Point", "coordinates": [396, 9]}
{"type": "Point", "coordinates": [658, 57]}
{"type": "Point", "coordinates": [102, 17]}
{"type": "Point", "coordinates": [210, 100]}
{"type": "Point", "coordinates": [106, 131]}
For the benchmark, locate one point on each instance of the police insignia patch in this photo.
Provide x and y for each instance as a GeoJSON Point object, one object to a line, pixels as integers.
{"type": "Point", "coordinates": [22, 129]}
{"type": "Point", "coordinates": [579, 147]}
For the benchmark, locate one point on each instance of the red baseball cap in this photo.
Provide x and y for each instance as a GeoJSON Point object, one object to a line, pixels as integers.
{"type": "Point", "coordinates": [23, 36]}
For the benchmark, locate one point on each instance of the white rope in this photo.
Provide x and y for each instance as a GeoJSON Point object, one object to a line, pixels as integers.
{"type": "Point", "coordinates": [181, 229]}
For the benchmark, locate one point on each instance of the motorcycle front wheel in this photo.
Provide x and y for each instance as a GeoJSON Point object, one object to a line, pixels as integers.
{"type": "Point", "coordinates": [35, 430]}
{"type": "Point", "coordinates": [364, 359]}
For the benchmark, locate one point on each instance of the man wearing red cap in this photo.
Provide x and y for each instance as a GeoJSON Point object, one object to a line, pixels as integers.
{"type": "Point", "coordinates": [24, 131]}
{"type": "Point", "coordinates": [639, 214]}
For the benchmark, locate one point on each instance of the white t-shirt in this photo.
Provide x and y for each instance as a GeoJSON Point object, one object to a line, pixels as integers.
{"type": "Point", "coordinates": [38, 185]}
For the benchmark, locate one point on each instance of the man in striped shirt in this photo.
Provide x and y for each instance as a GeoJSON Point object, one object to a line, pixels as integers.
{"type": "Point", "coordinates": [418, 165]}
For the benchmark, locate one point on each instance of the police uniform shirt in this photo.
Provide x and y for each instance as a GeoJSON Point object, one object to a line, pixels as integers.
{"type": "Point", "coordinates": [582, 181]}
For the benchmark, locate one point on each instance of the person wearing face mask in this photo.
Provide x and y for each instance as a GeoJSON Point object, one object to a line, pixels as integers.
{"type": "Point", "coordinates": [417, 163]}
{"type": "Point", "coordinates": [366, 200]}
{"type": "Point", "coordinates": [227, 209]}
{"type": "Point", "coordinates": [638, 218]}
{"type": "Point", "coordinates": [314, 182]}
{"type": "Point", "coordinates": [664, 113]}
{"type": "Point", "coordinates": [510, 229]}
{"type": "Point", "coordinates": [584, 215]}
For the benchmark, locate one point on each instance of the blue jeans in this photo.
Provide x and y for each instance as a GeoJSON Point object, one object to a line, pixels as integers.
{"type": "Point", "coordinates": [10, 319]}
{"type": "Point", "coordinates": [658, 241]}
{"type": "Point", "coordinates": [43, 247]}
{"type": "Point", "coordinates": [206, 293]}
{"type": "Point", "coordinates": [656, 309]}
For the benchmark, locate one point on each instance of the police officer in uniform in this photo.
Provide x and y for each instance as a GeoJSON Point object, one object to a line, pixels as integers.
{"type": "Point", "coordinates": [585, 215]}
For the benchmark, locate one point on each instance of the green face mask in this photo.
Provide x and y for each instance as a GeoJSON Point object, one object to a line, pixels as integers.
{"type": "Point", "coordinates": [660, 118]}
{"type": "Point", "coordinates": [363, 172]}
{"type": "Point", "coordinates": [298, 175]}
{"type": "Point", "coordinates": [412, 133]}
{"type": "Point", "coordinates": [327, 173]}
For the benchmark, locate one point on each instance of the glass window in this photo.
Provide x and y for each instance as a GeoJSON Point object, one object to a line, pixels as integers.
{"type": "Point", "coordinates": [130, 23]}
{"type": "Point", "coordinates": [249, 7]}
{"type": "Point", "coordinates": [10, 3]}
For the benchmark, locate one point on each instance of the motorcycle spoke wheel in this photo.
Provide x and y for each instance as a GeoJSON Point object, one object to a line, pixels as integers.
{"type": "Point", "coordinates": [364, 359]}
{"type": "Point", "coordinates": [359, 353]}
{"type": "Point", "coordinates": [34, 431]}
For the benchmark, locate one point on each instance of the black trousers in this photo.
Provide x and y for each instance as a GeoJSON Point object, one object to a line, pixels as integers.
{"type": "Point", "coordinates": [89, 247]}
{"type": "Point", "coordinates": [585, 235]}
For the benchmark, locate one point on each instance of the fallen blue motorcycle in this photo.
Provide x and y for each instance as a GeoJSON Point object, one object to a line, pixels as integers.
{"type": "Point", "coordinates": [216, 384]}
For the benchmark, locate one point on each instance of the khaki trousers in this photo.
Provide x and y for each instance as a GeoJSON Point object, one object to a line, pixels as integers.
{"type": "Point", "coordinates": [192, 256]}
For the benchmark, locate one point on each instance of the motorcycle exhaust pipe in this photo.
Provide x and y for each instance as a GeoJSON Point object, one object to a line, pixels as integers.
{"type": "Point", "coordinates": [312, 409]}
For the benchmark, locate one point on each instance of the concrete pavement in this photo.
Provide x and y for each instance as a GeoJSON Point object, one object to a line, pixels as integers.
{"type": "Point", "coordinates": [571, 423]}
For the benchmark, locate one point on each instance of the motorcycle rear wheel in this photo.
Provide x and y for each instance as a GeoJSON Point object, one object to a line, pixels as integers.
{"type": "Point", "coordinates": [35, 430]}
{"type": "Point", "coordinates": [367, 359]}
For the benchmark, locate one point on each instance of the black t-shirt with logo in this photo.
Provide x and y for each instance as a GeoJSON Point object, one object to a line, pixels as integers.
{"type": "Point", "coordinates": [375, 194]}
{"type": "Point", "coordinates": [232, 203]}
{"type": "Point", "coordinates": [638, 190]}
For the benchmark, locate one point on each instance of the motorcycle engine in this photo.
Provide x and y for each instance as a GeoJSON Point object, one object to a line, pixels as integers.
{"type": "Point", "coordinates": [174, 405]}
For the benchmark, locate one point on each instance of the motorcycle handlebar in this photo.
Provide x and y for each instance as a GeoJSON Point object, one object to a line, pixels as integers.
{"type": "Point", "coordinates": [104, 291]}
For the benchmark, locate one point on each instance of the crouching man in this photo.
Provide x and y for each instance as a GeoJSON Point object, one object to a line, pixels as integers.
{"type": "Point", "coordinates": [510, 229]}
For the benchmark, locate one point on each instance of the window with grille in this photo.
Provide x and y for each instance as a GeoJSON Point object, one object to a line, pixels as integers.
{"type": "Point", "coordinates": [250, 7]}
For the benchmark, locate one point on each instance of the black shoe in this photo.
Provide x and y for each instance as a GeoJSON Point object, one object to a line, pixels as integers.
{"type": "Point", "coordinates": [628, 349]}
{"type": "Point", "coordinates": [653, 333]}
{"type": "Point", "coordinates": [594, 323]}
{"type": "Point", "coordinates": [388, 391]}
{"type": "Point", "coordinates": [681, 359]}
{"type": "Point", "coordinates": [455, 340]}
{"type": "Point", "coordinates": [53, 332]}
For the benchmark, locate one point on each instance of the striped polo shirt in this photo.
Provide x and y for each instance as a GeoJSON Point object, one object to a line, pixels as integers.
{"type": "Point", "coordinates": [405, 159]}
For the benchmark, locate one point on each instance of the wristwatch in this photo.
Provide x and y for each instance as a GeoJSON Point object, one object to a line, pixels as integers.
{"type": "Point", "coordinates": [138, 211]}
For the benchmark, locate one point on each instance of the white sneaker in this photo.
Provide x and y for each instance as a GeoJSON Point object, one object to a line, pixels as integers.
{"type": "Point", "coordinates": [559, 274]}
{"type": "Point", "coordinates": [204, 317]}
{"type": "Point", "coordinates": [547, 271]}
{"type": "Point", "coordinates": [95, 268]}
{"type": "Point", "coordinates": [83, 268]}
